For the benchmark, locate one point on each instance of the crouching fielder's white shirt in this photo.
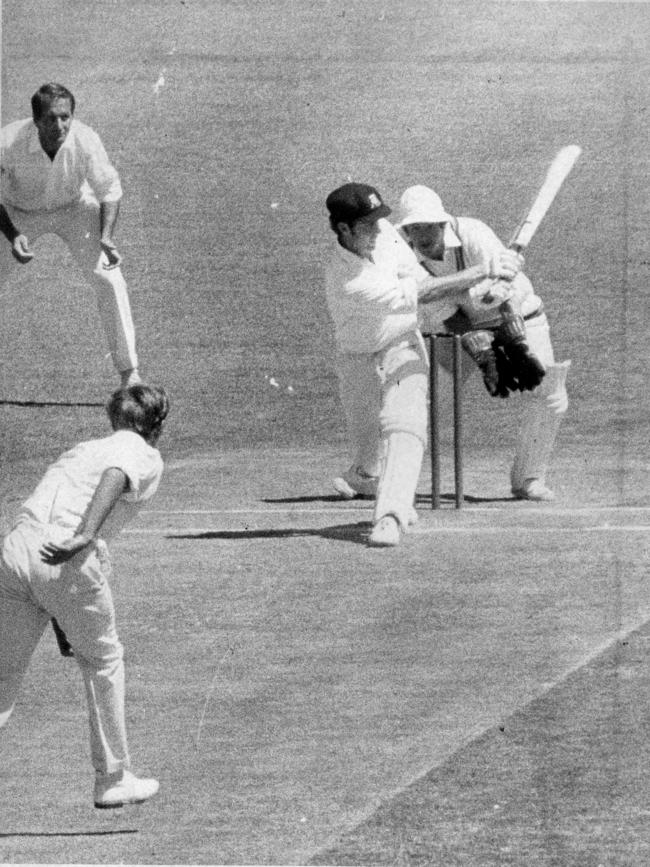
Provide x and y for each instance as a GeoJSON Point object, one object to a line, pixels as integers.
{"type": "Point", "coordinates": [65, 491]}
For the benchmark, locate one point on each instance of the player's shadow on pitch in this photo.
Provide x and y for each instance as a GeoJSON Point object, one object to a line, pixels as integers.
{"type": "Point", "coordinates": [320, 498]}
{"type": "Point", "coordinates": [67, 833]}
{"type": "Point", "coordinates": [356, 533]}
{"type": "Point", "coordinates": [425, 499]}
{"type": "Point", "coordinates": [421, 499]}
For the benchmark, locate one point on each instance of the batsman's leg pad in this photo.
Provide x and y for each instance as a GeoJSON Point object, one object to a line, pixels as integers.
{"type": "Point", "coordinates": [399, 477]}
{"type": "Point", "coordinates": [541, 421]}
{"type": "Point", "coordinates": [404, 372]}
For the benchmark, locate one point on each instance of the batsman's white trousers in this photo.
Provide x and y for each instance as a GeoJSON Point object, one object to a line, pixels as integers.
{"type": "Point", "coordinates": [384, 397]}
{"type": "Point", "coordinates": [77, 594]}
{"type": "Point", "coordinates": [78, 227]}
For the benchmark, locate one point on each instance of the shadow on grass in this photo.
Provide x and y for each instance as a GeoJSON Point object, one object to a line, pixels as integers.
{"type": "Point", "coordinates": [40, 403]}
{"type": "Point", "coordinates": [421, 499]}
{"type": "Point", "coordinates": [356, 533]}
{"type": "Point", "coordinates": [424, 499]}
{"type": "Point", "coordinates": [321, 498]}
{"type": "Point", "coordinates": [67, 833]}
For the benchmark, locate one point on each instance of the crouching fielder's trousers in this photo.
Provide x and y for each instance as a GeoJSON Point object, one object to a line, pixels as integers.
{"type": "Point", "coordinates": [78, 227]}
{"type": "Point", "coordinates": [77, 594]}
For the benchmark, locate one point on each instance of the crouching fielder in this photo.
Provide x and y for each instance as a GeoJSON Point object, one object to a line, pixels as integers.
{"type": "Point", "coordinates": [55, 564]}
{"type": "Point", "coordinates": [454, 248]}
{"type": "Point", "coordinates": [373, 284]}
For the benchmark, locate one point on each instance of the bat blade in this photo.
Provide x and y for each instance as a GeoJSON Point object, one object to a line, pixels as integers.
{"type": "Point", "coordinates": [555, 176]}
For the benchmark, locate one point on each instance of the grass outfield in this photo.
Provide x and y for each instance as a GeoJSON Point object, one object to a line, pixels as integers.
{"type": "Point", "coordinates": [474, 697]}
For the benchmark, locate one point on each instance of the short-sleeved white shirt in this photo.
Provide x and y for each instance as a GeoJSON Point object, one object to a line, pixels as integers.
{"type": "Point", "coordinates": [65, 491]}
{"type": "Point", "coordinates": [31, 181]}
{"type": "Point", "coordinates": [373, 303]}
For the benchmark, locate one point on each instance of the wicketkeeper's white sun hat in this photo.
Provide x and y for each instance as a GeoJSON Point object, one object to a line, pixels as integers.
{"type": "Point", "coordinates": [420, 204]}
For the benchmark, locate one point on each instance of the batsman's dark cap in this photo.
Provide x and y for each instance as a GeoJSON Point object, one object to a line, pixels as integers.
{"type": "Point", "coordinates": [353, 201]}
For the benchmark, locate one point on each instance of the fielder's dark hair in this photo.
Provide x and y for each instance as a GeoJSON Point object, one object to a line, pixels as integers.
{"type": "Point", "coordinates": [140, 408]}
{"type": "Point", "coordinates": [46, 94]}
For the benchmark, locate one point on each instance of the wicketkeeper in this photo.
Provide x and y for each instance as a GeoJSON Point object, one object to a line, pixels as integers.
{"type": "Point", "coordinates": [504, 327]}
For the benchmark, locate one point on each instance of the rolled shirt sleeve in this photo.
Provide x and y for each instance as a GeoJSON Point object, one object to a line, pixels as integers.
{"type": "Point", "coordinates": [102, 177]}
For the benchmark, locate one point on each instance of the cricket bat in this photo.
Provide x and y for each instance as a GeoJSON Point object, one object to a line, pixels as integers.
{"type": "Point", "coordinates": [555, 176]}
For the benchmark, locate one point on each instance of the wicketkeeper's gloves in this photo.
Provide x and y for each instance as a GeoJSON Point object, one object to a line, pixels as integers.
{"type": "Point", "coordinates": [524, 367]}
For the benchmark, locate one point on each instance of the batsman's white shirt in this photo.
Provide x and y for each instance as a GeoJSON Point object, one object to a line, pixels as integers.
{"type": "Point", "coordinates": [64, 493]}
{"type": "Point", "coordinates": [31, 181]}
{"type": "Point", "coordinates": [372, 304]}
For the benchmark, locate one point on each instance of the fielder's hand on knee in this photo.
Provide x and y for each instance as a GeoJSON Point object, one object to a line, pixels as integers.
{"type": "Point", "coordinates": [21, 250]}
{"type": "Point", "coordinates": [113, 258]}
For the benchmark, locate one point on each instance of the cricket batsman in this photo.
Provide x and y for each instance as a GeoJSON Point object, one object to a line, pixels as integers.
{"type": "Point", "coordinates": [373, 287]}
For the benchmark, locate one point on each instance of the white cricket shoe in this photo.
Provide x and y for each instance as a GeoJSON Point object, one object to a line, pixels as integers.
{"type": "Point", "coordinates": [121, 788]}
{"type": "Point", "coordinates": [356, 483]}
{"type": "Point", "coordinates": [130, 377]}
{"type": "Point", "coordinates": [386, 533]}
{"type": "Point", "coordinates": [534, 489]}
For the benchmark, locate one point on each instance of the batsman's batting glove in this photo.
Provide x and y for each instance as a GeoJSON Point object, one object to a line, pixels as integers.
{"type": "Point", "coordinates": [478, 345]}
{"type": "Point", "coordinates": [61, 639]}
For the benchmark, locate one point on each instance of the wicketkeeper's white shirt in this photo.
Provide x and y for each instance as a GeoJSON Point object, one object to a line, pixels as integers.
{"type": "Point", "coordinates": [64, 493]}
{"type": "Point", "coordinates": [373, 303]}
{"type": "Point", "coordinates": [31, 181]}
{"type": "Point", "coordinates": [479, 246]}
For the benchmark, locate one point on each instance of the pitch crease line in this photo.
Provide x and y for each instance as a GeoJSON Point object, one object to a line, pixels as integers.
{"type": "Point", "coordinates": [416, 531]}
{"type": "Point", "coordinates": [581, 510]}
{"type": "Point", "coordinates": [477, 731]}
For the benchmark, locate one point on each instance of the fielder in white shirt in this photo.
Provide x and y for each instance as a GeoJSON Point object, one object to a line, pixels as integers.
{"type": "Point", "coordinates": [55, 564]}
{"type": "Point", "coordinates": [55, 177]}
{"type": "Point", "coordinates": [449, 247]}
{"type": "Point", "coordinates": [373, 285]}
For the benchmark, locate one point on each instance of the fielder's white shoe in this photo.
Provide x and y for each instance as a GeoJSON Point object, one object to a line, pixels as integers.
{"type": "Point", "coordinates": [356, 483]}
{"type": "Point", "coordinates": [121, 788]}
{"type": "Point", "coordinates": [534, 489]}
{"type": "Point", "coordinates": [386, 533]}
{"type": "Point", "coordinates": [130, 377]}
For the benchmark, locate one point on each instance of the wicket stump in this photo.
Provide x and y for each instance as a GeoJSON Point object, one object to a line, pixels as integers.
{"type": "Point", "coordinates": [434, 416]}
